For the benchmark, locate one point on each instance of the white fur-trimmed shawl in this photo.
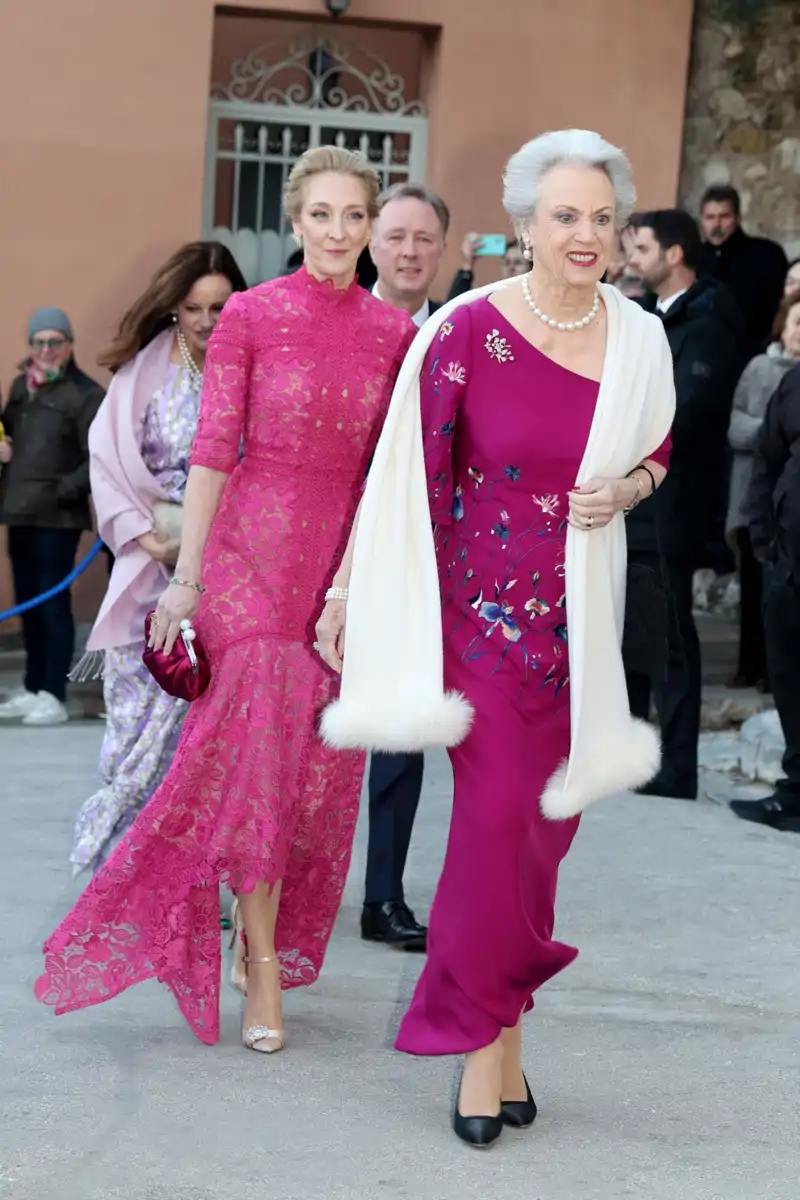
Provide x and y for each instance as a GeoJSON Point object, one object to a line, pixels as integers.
{"type": "Point", "coordinates": [392, 696]}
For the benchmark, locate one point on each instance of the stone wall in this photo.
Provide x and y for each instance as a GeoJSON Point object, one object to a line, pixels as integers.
{"type": "Point", "coordinates": [743, 116]}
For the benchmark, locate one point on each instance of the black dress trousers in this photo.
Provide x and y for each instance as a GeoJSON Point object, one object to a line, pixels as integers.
{"type": "Point", "coordinates": [395, 784]}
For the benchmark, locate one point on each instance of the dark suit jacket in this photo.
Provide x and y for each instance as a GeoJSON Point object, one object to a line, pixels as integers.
{"type": "Point", "coordinates": [704, 331]}
{"type": "Point", "coordinates": [753, 270]}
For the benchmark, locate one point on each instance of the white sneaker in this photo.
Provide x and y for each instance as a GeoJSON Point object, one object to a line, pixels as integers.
{"type": "Point", "coordinates": [18, 705]}
{"type": "Point", "coordinates": [48, 711]}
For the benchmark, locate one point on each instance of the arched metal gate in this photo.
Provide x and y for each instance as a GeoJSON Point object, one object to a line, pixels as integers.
{"type": "Point", "coordinates": [271, 110]}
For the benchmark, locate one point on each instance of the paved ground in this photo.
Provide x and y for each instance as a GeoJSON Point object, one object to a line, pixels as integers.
{"type": "Point", "coordinates": [665, 1060]}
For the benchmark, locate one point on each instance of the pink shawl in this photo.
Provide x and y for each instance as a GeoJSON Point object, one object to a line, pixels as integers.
{"type": "Point", "coordinates": [124, 494]}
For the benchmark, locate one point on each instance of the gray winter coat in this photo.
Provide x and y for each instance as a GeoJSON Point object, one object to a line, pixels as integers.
{"type": "Point", "coordinates": [759, 380]}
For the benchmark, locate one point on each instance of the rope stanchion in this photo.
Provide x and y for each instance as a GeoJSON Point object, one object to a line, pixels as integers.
{"type": "Point", "coordinates": [77, 570]}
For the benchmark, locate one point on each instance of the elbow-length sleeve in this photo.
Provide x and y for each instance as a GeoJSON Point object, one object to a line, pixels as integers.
{"type": "Point", "coordinates": [226, 384]}
{"type": "Point", "coordinates": [443, 382]}
{"type": "Point", "coordinates": [663, 453]}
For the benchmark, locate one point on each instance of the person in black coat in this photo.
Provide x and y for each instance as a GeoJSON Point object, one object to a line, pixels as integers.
{"type": "Point", "coordinates": [44, 501]}
{"type": "Point", "coordinates": [773, 512]}
{"type": "Point", "coordinates": [670, 535]}
{"type": "Point", "coordinates": [514, 263]}
{"type": "Point", "coordinates": [753, 269]}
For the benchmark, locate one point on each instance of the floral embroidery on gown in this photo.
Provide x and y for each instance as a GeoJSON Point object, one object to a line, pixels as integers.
{"type": "Point", "coordinates": [300, 376]}
{"type": "Point", "coordinates": [501, 525]}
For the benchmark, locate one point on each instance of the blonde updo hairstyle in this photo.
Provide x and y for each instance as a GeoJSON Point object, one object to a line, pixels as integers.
{"type": "Point", "coordinates": [566, 147]}
{"type": "Point", "coordinates": [322, 160]}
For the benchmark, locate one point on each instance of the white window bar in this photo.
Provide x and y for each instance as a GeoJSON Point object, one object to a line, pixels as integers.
{"type": "Point", "coordinates": [238, 142]}
{"type": "Point", "coordinates": [263, 139]}
{"type": "Point", "coordinates": [388, 154]}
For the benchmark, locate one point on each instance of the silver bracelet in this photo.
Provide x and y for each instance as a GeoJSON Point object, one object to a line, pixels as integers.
{"type": "Point", "coordinates": [337, 593]}
{"type": "Point", "coordinates": [196, 587]}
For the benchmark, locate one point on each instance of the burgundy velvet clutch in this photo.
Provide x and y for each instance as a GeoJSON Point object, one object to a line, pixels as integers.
{"type": "Point", "coordinates": [185, 673]}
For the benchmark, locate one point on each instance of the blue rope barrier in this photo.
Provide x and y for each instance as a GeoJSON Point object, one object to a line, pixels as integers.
{"type": "Point", "coordinates": [77, 570]}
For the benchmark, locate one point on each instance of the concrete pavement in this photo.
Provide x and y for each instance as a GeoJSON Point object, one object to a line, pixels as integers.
{"type": "Point", "coordinates": [665, 1061]}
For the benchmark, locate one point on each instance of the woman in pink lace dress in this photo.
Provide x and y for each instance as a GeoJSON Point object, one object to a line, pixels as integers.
{"type": "Point", "coordinates": [298, 376]}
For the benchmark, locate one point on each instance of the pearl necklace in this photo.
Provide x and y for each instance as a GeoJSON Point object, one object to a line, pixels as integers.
{"type": "Point", "coordinates": [190, 366]}
{"type": "Point", "coordinates": [566, 326]}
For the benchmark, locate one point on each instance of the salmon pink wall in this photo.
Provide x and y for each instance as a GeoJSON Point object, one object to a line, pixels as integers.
{"type": "Point", "coordinates": [105, 114]}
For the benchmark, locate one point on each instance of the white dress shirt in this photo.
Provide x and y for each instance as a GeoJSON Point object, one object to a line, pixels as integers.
{"type": "Point", "coordinates": [665, 305]}
{"type": "Point", "coordinates": [419, 317]}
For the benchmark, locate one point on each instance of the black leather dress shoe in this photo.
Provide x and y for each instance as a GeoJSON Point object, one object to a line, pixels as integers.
{"type": "Point", "coordinates": [773, 811]}
{"type": "Point", "coordinates": [479, 1132]}
{"type": "Point", "coordinates": [520, 1114]}
{"type": "Point", "coordinates": [393, 923]}
{"type": "Point", "coordinates": [668, 790]}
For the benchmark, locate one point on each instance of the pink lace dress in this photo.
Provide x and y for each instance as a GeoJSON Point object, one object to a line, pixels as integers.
{"type": "Point", "coordinates": [297, 381]}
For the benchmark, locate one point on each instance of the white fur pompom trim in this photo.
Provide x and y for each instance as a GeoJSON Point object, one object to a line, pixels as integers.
{"type": "Point", "coordinates": [625, 763]}
{"type": "Point", "coordinates": [405, 726]}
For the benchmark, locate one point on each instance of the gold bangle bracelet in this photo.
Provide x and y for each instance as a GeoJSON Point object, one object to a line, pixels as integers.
{"type": "Point", "coordinates": [639, 491]}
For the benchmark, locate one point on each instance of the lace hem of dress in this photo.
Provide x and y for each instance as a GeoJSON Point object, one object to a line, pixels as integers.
{"type": "Point", "coordinates": [115, 962]}
{"type": "Point", "coordinates": [274, 805]}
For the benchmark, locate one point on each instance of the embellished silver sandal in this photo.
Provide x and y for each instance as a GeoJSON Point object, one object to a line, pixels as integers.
{"type": "Point", "coordinates": [253, 1037]}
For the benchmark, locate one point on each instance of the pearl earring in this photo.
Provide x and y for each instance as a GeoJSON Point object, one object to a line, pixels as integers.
{"type": "Point", "coordinates": [174, 318]}
{"type": "Point", "coordinates": [527, 253]}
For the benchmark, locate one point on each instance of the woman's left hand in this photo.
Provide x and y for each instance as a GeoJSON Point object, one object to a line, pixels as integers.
{"type": "Point", "coordinates": [330, 634]}
{"type": "Point", "coordinates": [595, 503]}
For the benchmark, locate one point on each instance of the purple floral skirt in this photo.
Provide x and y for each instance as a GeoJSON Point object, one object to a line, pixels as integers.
{"type": "Point", "coordinates": [142, 730]}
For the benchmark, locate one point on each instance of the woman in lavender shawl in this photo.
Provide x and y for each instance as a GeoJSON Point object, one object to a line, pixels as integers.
{"type": "Point", "coordinates": [140, 444]}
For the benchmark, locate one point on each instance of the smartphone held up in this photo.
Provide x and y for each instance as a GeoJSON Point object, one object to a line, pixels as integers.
{"type": "Point", "coordinates": [489, 245]}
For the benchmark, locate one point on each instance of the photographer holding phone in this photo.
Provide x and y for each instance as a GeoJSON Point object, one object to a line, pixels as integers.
{"type": "Point", "coordinates": [491, 245]}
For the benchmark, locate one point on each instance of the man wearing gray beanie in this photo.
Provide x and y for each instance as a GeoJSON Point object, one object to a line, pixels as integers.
{"type": "Point", "coordinates": [44, 501]}
{"type": "Point", "coordinates": [50, 320]}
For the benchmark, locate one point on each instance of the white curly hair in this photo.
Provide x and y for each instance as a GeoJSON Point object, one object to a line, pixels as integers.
{"type": "Point", "coordinates": [527, 168]}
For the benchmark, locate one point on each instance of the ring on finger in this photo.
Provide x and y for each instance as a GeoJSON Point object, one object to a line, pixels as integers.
{"type": "Point", "coordinates": [590, 522]}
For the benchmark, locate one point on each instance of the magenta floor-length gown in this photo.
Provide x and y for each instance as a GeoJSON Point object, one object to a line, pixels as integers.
{"type": "Point", "coordinates": [297, 381]}
{"type": "Point", "coordinates": [505, 430]}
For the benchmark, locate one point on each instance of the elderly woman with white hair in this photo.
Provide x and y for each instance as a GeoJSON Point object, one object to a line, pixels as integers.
{"type": "Point", "coordinates": [546, 403]}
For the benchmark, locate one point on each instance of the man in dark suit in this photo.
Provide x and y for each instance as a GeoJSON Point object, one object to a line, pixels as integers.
{"type": "Point", "coordinates": [407, 246]}
{"type": "Point", "coordinates": [670, 534]}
